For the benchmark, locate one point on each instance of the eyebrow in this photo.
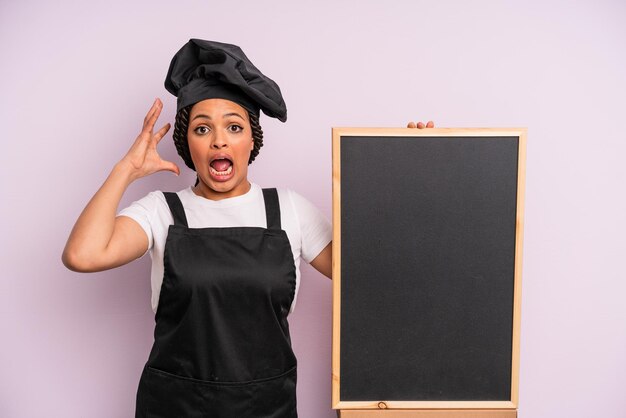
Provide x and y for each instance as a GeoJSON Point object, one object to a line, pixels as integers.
{"type": "Point", "coordinates": [202, 115]}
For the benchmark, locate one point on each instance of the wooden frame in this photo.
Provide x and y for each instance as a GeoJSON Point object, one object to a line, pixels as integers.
{"type": "Point", "coordinates": [391, 408]}
{"type": "Point", "coordinates": [427, 413]}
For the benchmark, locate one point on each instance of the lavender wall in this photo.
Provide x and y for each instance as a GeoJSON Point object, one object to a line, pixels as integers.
{"type": "Point", "coordinates": [76, 79]}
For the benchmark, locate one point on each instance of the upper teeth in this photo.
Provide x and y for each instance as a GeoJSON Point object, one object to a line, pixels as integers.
{"type": "Point", "coordinates": [221, 173]}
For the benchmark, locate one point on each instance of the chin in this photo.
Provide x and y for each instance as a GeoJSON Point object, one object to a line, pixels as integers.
{"type": "Point", "coordinates": [222, 187]}
{"type": "Point", "coordinates": [226, 188]}
{"type": "Point", "coordinates": [219, 186]}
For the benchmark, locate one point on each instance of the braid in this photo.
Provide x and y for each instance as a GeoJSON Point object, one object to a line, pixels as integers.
{"type": "Point", "coordinates": [257, 136]}
{"type": "Point", "coordinates": [181, 126]}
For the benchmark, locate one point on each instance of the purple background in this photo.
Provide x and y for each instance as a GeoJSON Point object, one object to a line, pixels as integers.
{"type": "Point", "coordinates": [76, 79]}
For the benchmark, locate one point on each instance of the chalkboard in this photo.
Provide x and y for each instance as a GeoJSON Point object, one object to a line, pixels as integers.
{"type": "Point", "coordinates": [427, 266]}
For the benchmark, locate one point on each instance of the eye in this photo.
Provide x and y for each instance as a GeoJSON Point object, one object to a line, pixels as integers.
{"type": "Point", "coordinates": [201, 130]}
{"type": "Point", "coordinates": [235, 128]}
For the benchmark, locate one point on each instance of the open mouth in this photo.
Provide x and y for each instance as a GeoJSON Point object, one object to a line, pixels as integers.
{"type": "Point", "coordinates": [221, 167]}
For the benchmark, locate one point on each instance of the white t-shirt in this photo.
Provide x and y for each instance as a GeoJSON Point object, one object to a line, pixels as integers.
{"type": "Point", "coordinates": [309, 232]}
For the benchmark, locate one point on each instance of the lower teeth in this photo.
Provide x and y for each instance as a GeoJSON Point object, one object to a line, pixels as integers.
{"type": "Point", "coordinates": [221, 173]}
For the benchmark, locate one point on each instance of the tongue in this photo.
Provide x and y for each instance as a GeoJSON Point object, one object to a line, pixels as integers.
{"type": "Point", "coordinates": [221, 165]}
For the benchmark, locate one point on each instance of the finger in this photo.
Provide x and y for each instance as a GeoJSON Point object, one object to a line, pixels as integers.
{"type": "Point", "coordinates": [161, 133]}
{"type": "Point", "coordinates": [150, 112]}
{"type": "Point", "coordinates": [411, 125]}
{"type": "Point", "coordinates": [420, 125]}
{"type": "Point", "coordinates": [430, 124]}
{"type": "Point", "coordinates": [155, 115]}
{"type": "Point", "coordinates": [169, 166]}
{"type": "Point", "coordinates": [149, 125]}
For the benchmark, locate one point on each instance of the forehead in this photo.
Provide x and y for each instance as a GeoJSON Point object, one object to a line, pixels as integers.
{"type": "Point", "coordinates": [217, 108]}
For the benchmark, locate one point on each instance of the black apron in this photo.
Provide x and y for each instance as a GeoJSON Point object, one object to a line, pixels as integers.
{"type": "Point", "coordinates": [221, 342]}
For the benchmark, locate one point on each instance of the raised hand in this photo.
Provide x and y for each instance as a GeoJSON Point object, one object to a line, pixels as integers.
{"type": "Point", "coordinates": [101, 240]}
{"type": "Point", "coordinates": [143, 157]}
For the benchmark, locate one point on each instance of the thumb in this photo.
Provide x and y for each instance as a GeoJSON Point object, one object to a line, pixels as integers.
{"type": "Point", "coordinates": [169, 166]}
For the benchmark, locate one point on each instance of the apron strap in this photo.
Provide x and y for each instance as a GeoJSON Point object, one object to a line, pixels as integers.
{"type": "Point", "coordinates": [176, 207]}
{"type": "Point", "coordinates": [272, 208]}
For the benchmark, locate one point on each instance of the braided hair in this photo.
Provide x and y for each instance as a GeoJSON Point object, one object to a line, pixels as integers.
{"type": "Point", "coordinates": [181, 125]}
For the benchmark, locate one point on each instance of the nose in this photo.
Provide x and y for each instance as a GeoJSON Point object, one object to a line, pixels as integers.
{"type": "Point", "coordinates": [220, 140]}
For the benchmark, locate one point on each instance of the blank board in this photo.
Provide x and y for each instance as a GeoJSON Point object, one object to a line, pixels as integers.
{"type": "Point", "coordinates": [427, 267]}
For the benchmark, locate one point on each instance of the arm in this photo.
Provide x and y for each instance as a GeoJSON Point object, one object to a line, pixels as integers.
{"type": "Point", "coordinates": [324, 261]}
{"type": "Point", "coordinates": [99, 239]}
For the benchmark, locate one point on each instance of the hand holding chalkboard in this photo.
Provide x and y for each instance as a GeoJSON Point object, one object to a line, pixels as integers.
{"type": "Point", "coordinates": [420, 125]}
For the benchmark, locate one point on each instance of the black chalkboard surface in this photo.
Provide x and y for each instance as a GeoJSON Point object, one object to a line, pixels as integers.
{"type": "Point", "coordinates": [427, 259]}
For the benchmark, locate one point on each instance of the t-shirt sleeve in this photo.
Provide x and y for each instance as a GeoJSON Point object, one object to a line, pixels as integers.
{"type": "Point", "coordinates": [143, 211]}
{"type": "Point", "coordinates": [316, 230]}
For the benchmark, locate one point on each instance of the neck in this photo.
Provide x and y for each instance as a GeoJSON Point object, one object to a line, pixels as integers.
{"type": "Point", "coordinates": [207, 192]}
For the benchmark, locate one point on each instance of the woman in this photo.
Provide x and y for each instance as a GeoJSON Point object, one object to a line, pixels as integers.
{"type": "Point", "coordinates": [225, 252]}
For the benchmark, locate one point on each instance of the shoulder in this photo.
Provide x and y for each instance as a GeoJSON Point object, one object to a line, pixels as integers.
{"type": "Point", "coordinates": [288, 195]}
{"type": "Point", "coordinates": [155, 198]}
{"type": "Point", "coordinates": [315, 231]}
{"type": "Point", "coordinates": [151, 212]}
{"type": "Point", "coordinates": [153, 206]}
{"type": "Point", "coordinates": [305, 213]}
{"type": "Point", "coordinates": [146, 204]}
{"type": "Point", "coordinates": [293, 200]}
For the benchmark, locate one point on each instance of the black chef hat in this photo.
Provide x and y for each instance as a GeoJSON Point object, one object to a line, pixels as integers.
{"type": "Point", "coordinates": [213, 70]}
